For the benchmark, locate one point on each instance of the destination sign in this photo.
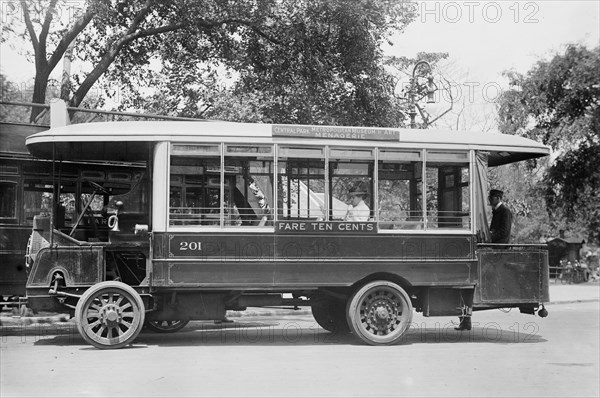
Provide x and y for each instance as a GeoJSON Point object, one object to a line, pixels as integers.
{"type": "Point", "coordinates": [335, 132]}
{"type": "Point", "coordinates": [291, 227]}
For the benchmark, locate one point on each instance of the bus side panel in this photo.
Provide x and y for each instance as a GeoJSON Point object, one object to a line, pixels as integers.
{"type": "Point", "coordinates": [218, 259]}
{"type": "Point", "coordinates": [267, 260]}
{"type": "Point", "coordinates": [345, 273]}
{"type": "Point", "coordinates": [234, 275]}
{"type": "Point", "coordinates": [514, 274]}
{"type": "Point", "coordinates": [305, 274]}
{"type": "Point", "coordinates": [373, 246]}
{"type": "Point", "coordinates": [79, 266]}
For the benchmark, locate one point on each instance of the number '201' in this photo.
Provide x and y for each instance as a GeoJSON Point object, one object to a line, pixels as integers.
{"type": "Point", "coordinates": [190, 246]}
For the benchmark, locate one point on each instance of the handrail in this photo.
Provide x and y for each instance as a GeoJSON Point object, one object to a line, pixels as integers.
{"type": "Point", "coordinates": [103, 112]}
{"type": "Point", "coordinates": [501, 245]}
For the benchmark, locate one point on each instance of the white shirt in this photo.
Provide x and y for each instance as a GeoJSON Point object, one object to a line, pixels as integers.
{"type": "Point", "coordinates": [360, 212]}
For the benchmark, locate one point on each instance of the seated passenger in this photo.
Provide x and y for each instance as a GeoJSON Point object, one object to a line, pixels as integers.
{"type": "Point", "coordinates": [357, 210]}
{"type": "Point", "coordinates": [244, 209]}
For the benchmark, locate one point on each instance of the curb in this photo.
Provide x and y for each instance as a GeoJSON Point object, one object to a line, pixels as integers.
{"type": "Point", "coordinates": [574, 301]}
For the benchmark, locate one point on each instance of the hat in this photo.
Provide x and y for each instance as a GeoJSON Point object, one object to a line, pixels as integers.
{"type": "Point", "coordinates": [496, 192]}
{"type": "Point", "coordinates": [358, 189]}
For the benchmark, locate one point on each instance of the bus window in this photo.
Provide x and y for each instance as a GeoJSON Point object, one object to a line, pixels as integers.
{"type": "Point", "coordinates": [249, 185]}
{"type": "Point", "coordinates": [8, 200]}
{"type": "Point", "coordinates": [301, 183]}
{"type": "Point", "coordinates": [448, 190]}
{"type": "Point", "coordinates": [195, 185]}
{"type": "Point", "coordinates": [349, 168]}
{"type": "Point", "coordinates": [400, 190]}
{"type": "Point", "coordinates": [38, 199]}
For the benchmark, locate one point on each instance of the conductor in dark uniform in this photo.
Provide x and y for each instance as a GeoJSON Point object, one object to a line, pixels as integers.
{"type": "Point", "coordinates": [501, 218]}
{"type": "Point", "coordinates": [499, 229]}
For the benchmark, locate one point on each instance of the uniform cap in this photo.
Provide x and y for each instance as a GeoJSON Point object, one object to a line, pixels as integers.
{"type": "Point", "coordinates": [496, 192]}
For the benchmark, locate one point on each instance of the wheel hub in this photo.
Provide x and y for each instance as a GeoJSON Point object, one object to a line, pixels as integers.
{"type": "Point", "coordinates": [381, 315]}
{"type": "Point", "coordinates": [110, 314]}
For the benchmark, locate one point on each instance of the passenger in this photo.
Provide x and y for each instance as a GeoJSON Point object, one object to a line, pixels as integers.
{"type": "Point", "coordinates": [500, 231]}
{"type": "Point", "coordinates": [357, 210]}
{"type": "Point", "coordinates": [243, 207]}
{"type": "Point", "coordinates": [501, 218]}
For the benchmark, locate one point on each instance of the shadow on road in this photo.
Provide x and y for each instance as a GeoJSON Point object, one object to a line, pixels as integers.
{"type": "Point", "coordinates": [291, 333]}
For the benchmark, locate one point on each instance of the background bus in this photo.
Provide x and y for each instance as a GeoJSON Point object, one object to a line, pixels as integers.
{"type": "Point", "coordinates": [240, 214]}
{"type": "Point", "coordinates": [26, 189]}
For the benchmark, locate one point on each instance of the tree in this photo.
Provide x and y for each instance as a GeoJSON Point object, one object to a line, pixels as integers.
{"type": "Point", "coordinates": [9, 91]}
{"type": "Point", "coordinates": [296, 51]}
{"type": "Point", "coordinates": [558, 103]}
{"type": "Point", "coordinates": [322, 63]}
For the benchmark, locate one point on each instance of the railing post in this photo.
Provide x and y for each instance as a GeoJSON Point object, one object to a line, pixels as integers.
{"type": "Point", "coordinates": [59, 116]}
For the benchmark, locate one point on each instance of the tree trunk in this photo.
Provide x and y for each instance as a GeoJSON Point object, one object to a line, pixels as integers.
{"type": "Point", "coordinates": [40, 86]}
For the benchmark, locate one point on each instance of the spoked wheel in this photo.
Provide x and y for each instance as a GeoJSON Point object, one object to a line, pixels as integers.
{"type": "Point", "coordinates": [379, 313]}
{"type": "Point", "coordinates": [330, 314]}
{"type": "Point", "coordinates": [110, 315]}
{"type": "Point", "coordinates": [166, 326]}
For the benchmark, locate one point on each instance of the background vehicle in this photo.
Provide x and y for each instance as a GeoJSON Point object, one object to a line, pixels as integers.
{"type": "Point", "coordinates": [27, 188]}
{"type": "Point", "coordinates": [235, 215]}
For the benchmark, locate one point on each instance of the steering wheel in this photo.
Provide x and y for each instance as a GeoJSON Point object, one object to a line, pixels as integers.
{"type": "Point", "coordinates": [98, 187]}
{"type": "Point", "coordinates": [87, 210]}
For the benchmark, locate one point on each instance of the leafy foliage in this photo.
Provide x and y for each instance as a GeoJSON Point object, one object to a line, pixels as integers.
{"type": "Point", "coordinates": [10, 91]}
{"type": "Point", "coordinates": [315, 61]}
{"type": "Point", "coordinates": [558, 103]}
{"type": "Point", "coordinates": [312, 62]}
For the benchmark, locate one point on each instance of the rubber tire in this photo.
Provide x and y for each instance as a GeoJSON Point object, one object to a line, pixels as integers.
{"type": "Point", "coordinates": [330, 314]}
{"type": "Point", "coordinates": [131, 333]}
{"type": "Point", "coordinates": [358, 322]}
{"type": "Point", "coordinates": [152, 325]}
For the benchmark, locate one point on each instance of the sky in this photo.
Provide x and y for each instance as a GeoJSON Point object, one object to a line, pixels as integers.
{"type": "Point", "coordinates": [488, 37]}
{"type": "Point", "coordinates": [483, 39]}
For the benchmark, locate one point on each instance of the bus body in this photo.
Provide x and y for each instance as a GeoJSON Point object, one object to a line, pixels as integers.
{"type": "Point", "coordinates": [229, 216]}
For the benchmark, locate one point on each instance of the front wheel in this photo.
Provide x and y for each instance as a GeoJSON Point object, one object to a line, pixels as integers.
{"type": "Point", "coordinates": [110, 315]}
{"type": "Point", "coordinates": [379, 313]}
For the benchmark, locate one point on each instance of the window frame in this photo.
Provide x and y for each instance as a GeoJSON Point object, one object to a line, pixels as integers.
{"type": "Point", "coordinates": [325, 149]}
{"type": "Point", "coordinates": [14, 182]}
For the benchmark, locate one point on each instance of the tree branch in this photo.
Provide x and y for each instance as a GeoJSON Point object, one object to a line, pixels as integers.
{"type": "Point", "coordinates": [46, 25]}
{"type": "Point", "coordinates": [69, 37]}
{"type": "Point", "coordinates": [110, 56]}
{"type": "Point", "coordinates": [133, 34]}
{"type": "Point", "coordinates": [140, 16]}
{"type": "Point", "coordinates": [29, 25]}
{"type": "Point", "coordinates": [242, 22]}
{"type": "Point", "coordinates": [151, 32]}
{"type": "Point", "coordinates": [451, 103]}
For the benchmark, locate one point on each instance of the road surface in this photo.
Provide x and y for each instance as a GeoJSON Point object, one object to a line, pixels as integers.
{"type": "Point", "coordinates": [506, 354]}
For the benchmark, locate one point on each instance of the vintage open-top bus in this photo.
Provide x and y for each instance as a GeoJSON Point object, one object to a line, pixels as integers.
{"type": "Point", "coordinates": [229, 216]}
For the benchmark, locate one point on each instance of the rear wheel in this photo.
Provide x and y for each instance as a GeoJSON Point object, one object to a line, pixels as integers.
{"type": "Point", "coordinates": [379, 313]}
{"type": "Point", "coordinates": [110, 315]}
{"type": "Point", "coordinates": [330, 314]}
{"type": "Point", "coordinates": [165, 326]}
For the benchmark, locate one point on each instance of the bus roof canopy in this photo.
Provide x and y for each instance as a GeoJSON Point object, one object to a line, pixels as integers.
{"type": "Point", "coordinates": [132, 141]}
